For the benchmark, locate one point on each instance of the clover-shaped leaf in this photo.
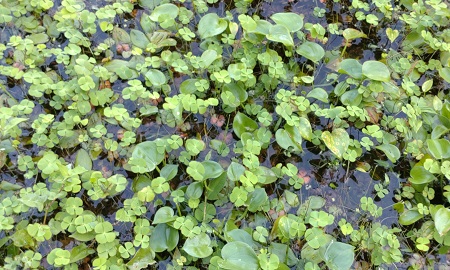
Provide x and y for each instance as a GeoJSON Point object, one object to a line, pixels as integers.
{"type": "Point", "coordinates": [104, 232]}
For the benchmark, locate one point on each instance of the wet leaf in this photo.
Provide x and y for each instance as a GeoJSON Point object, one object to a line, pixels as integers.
{"type": "Point", "coordinates": [338, 256]}
{"type": "Point", "coordinates": [376, 71]}
{"type": "Point", "coordinates": [139, 39]}
{"type": "Point", "coordinates": [351, 67]}
{"type": "Point", "coordinates": [242, 123]}
{"type": "Point", "coordinates": [238, 256]}
{"type": "Point", "coordinates": [311, 51]}
{"type": "Point", "coordinates": [198, 246]}
{"type": "Point", "coordinates": [164, 238]}
{"type": "Point", "coordinates": [83, 159]}
{"type": "Point", "coordinates": [291, 21]}
{"type": "Point", "coordinates": [337, 141]}
{"type": "Point", "coordinates": [169, 10]}
{"type": "Point", "coordinates": [319, 94]}
{"type": "Point", "coordinates": [143, 258]}
{"type": "Point", "coordinates": [442, 221]}
{"type": "Point", "coordinates": [156, 77]}
{"type": "Point", "coordinates": [419, 175]}
{"type": "Point", "coordinates": [391, 151]}
{"type": "Point", "coordinates": [80, 252]}
{"type": "Point", "coordinates": [351, 33]}
{"type": "Point", "coordinates": [409, 217]}
{"type": "Point", "coordinates": [149, 152]}
{"type": "Point", "coordinates": [439, 148]}
{"type": "Point", "coordinates": [120, 36]}
{"type": "Point", "coordinates": [212, 169]}
{"type": "Point", "coordinates": [163, 215]}
{"type": "Point", "coordinates": [279, 33]}
{"type": "Point", "coordinates": [211, 25]}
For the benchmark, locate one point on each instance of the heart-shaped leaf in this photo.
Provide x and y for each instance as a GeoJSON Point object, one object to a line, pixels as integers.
{"type": "Point", "coordinates": [337, 141]}
{"type": "Point", "coordinates": [391, 34]}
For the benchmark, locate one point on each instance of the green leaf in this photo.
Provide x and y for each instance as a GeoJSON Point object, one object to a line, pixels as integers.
{"type": "Point", "coordinates": [80, 252]}
{"type": "Point", "coordinates": [351, 33]}
{"type": "Point", "coordinates": [351, 98]}
{"type": "Point", "coordinates": [338, 256]}
{"type": "Point", "coordinates": [163, 215]}
{"type": "Point", "coordinates": [238, 256]}
{"type": "Point", "coordinates": [391, 34]}
{"type": "Point", "coordinates": [280, 33]}
{"type": "Point", "coordinates": [169, 171]}
{"type": "Point", "coordinates": [156, 77]}
{"type": "Point", "coordinates": [337, 141]}
{"type": "Point", "coordinates": [38, 38]}
{"type": "Point", "coordinates": [242, 123]}
{"type": "Point", "coordinates": [247, 22]}
{"type": "Point", "coordinates": [376, 71]}
{"type": "Point", "coordinates": [311, 51]}
{"type": "Point", "coordinates": [196, 170]}
{"type": "Point", "coordinates": [391, 151]}
{"type": "Point", "coordinates": [444, 72]}
{"type": "Point", "coordinates": [139, 39]}
{"type": "Point", "coordinates": [198, 246]}
{"type": "Point", "coordinates": [351, 67]}
{"type": "Point", "coordinates": [419, 175]}
{"type": "Point", "coordinates": [169, 10]}
{"type": "Point", "coordinates": [257, 199]}
{"type": "Point", "coordinates": [319, 94]}
{"type": "Point", "coordinates": [143, 258]}
{"type": "Point", "coordinates": [83, 159]}
{"type": "Point", "coordinates": [291, 21]}
{"type": "Point", "coordinates": [409, 217]}
{"type": "Point", "coordinates": [149, 152]}
{"type": "Point", "coordinates": [240, 235]}
{"type": "Point", "coordinates": [211, 25]}
{"type": "Point", "coordinates": [289, 138]}
{"type": "Point", "coordinates": [212, 169]}
{"type": "Point", "coordinates": [439, 148]}
{"type": "Point", "coordinates": [442, 221]}
{"type": "Point", "coordinates": [164, 238]}
{"type": "Point", "coordinates": [120, 35]}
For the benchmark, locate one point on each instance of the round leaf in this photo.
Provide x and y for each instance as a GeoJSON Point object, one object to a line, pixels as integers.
{"type": "Point", "coordinates": [351, 67]}
{"type": "Point", "coordinates": [311, 51]}
{"type": "Point", "coordinates": [198, 246]}
{"type": "Point", "coordinates": [238, 256]}
{"type": "Point", "coordinates": [292, 21]}
{"type": "Point", "coordinates": [376, 71]}
{"type": "Point", "coordinates": [211, 25]}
